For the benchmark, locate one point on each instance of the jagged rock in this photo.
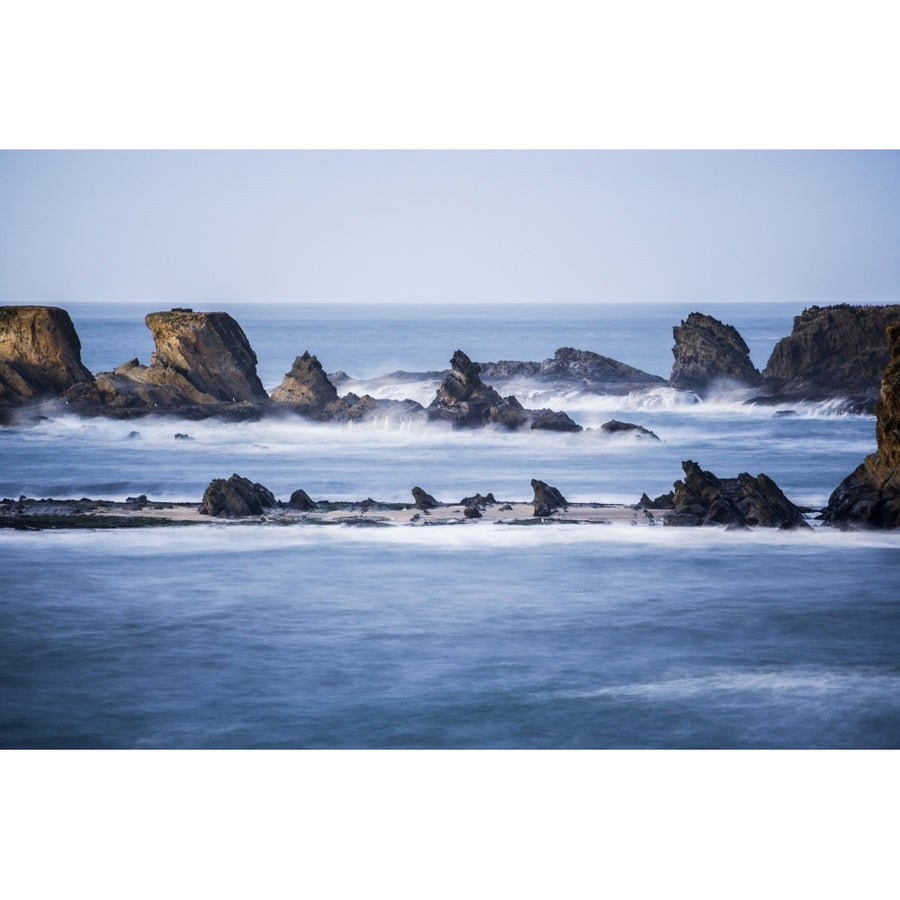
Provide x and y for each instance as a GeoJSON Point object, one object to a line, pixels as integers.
{"type": "Point", "coordinates": [547, 499]}
{"type": "Point", "coordinates": [832, 351]}
{"type": "Point", "coordinates": [302, 501]}
{"type": "Point", "coordinates": [472, 512]}
{"type": "Point", "coordinates": [549, 420]}
{"type": "Point", "coordinates": [423, 500]}
{"type": "Point", "coordinates": [203, 364]}
{"type": "Point", "coordinates": [478, 500]}
{"type": "Point", "coordinates": [704, 499]}
{"type": "Point", "coordinates": [351, 408]}
{"type": "Point", "coordinates": [869, 497]}
{"type": "Point", "coordinates": [235, 496]}
{"type": "Point", "coordinates": [40, 354]}
{"type": "Point", "coordinates": [463, 400]}
{"type": "Point", "coordinates": [306, 387]}
{"type": "Point", "coordinates": [706, 351]}
{"type": "Point", "coordinates": [664, 501]}
{"type": "Point", "coordinates": [613, 426]}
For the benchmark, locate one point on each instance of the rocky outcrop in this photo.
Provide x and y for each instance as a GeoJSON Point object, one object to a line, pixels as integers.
{"type": "Point", "coordinates": [302, 501]}
{"type": "Point", "coordinates": [703, 499]}
{"type": "Point", "coordinates": [614, 426]}
{"type": "Point", "coordinates": [423, 499]}
{"type": "Point", "coordinates": [706, 352]}
{"type": "Point", "coordinates": [869, 497]}
{"type": "Point", "coordinates": [590, 370]}
{"type": "Point", "coordinates": [465, 401]}
{"type": "Point", "coordinates": [235, 497]}
{"type": "Point", "coordinates": [307, 390]}
{"type": "Point", "coordinates": [203, 365]}
{"type": "Point", "coordinates": [547, 500]}
{"type": "Point", "coordinates": [40, 354]}
{"type": "Point", "coordinates": [833, 351]}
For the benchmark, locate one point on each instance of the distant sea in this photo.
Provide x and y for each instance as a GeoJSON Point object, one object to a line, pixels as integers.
{"type": "Point", "coordinates": [475, 635]}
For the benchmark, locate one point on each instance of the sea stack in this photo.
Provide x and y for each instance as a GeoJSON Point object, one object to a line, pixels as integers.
{"type": "Point", "coordinates": [306, 389]}
{"type": "Point", "coordinates": [40, 354]}
{"type": "Point", "coordinates": [833, 351]}
{"type": "Point", "coordinates": [203, 363]}
{"type": "Point", "coordinates": [869, 497]}
{"type": "Point", "coordinates": [708, 351]}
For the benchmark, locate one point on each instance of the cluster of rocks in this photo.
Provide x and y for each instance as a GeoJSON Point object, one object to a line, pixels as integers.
{"type": "Point", "coordinates": [704, 499]}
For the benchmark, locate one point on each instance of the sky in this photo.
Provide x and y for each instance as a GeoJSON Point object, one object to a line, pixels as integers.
{"type": "Point", "coordinates": [420, 226]}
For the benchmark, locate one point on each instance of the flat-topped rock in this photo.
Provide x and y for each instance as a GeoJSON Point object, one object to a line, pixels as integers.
{"type": "Point", "coordinates": [40, 354]}
{"type": "Point", "coordinates": [832, 351]}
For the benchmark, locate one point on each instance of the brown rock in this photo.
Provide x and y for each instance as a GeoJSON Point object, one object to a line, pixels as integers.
{"type": "Point", "coordinates": [707, 350]}
{"type": "Point", "coordinates": [40, 354]}
{"type": "Point", "coordinates": [306, 387]}
{"type": "Point", "coordinates": [235, 497]}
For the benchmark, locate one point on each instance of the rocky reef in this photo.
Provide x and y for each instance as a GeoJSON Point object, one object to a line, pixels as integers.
{"type": "Point", "coordinates": [708, 351]}
{"type": "Point", "coordinates": [40, 355]}
{"type": "Point", "coordinates": [869, 497]}
{"type": "Point", "coordinates": [465, 401]}
{"type": "Point", "coordinates": [234, 497]}
{"type": "Point", "coordinates": [703, 499]}
{"type": "Point", "coordinates": [833, 351]}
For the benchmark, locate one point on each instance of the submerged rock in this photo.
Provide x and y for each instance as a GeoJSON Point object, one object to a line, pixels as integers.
{"type": "Point", "coordinates": [833, 351]}
{"type": "Point", "coordinates": [613, 426]}
{"type": "Point", "coordinates": [234, 497]}
{"type": "Point", "coordinates": [707, 351]}
{"type": "Point", "coordinates": [869, 497]}
{"type": "Point", "coordinates": [547, 499]}
{"type": "Point", "coordinates": [703, 499]}
{"type": "Point", "coordinates": [40, 355]}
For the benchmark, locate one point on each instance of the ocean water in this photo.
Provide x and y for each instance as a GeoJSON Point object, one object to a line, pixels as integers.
{"type": "Point", "coordinates": [474, 635]}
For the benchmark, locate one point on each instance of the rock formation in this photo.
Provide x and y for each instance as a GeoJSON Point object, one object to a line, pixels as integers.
{"type": "Point", "coordinates": [302, 501]}
{"type": "Point", "coordinates": [704, 499]}
{"type": "Point", "coordinates": [203, 363]}
{"type": "Point", "coordinates": [307, 390]}
{"type": "Point", "coordinates": [869, 497]}
{"type": "Point", "coordinates": [832, 351]}
{"type": "Point", "coordinates": [706, 351]}
{"type": "Point", "coordinates": [463, 400]}
{"type": "Point", "coordinates": [235, 496]}
{"type": "Point", "coordinates": [613, 426]}
{"type": "Point", "coordinates": [423, 499]}
{"type": "Point", "coordinates": [547, 499]}
{"type": "Point", "coordinates": [40, 354]}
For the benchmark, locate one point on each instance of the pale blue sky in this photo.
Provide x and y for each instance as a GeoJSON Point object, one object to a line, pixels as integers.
{"type": "Point", "coordinates": [208, 228]}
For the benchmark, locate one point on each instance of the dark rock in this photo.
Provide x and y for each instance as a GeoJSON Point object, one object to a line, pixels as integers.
{"type": "Point", "coordinates": [869, 497]}
{"type": "Point", "coordinates": [306, 388]}
{"type": "Point", "coordinates": [472, 512]}
{"type": "Point", "coordinates": [302, 501]}
{"type": "Point", "coordinates": [478, 500]}
{"type": "Point", "coordinates": [40, 355]}
{"type": "Point", "coordinates": [423, 500]}
{"type": "Point", "coordinates": [370, 409]}
{"type": "Point", "coordinates": [183, 437]}
{"type": "Point", "coordinates": [708, 351]}
{"type": "Point", "coordinates": [832, 351]}
{"type": "Point", "coordinates": [548, 420]}
{"type": "Point", "coordinates": [463, 400]}
{"type": "Point", "coordinates": [547, 499]}
{"type": "Point", "coordinates": [613, 426]}
{"type": "Point", "coordinates": [133, 435]}
{"type": "Point", "coordinates": [235, 496]}
{"type": "Point", "coordinates": [704, 499]}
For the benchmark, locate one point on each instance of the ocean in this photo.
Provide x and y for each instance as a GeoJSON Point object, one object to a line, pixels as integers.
{"type": "Point", "coordinates": [480, 635]}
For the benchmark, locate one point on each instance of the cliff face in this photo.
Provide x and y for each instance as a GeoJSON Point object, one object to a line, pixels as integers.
{"type": "Point", "coordinates": [869, 497]}
{"type": "Point", "coordinates": [706, 350]}
{"type": "Point", "coordinates": [201, 360]}
{"type": "Point", "coordinates": [832, 351]}
{"type": "Point", "coordinates": [40, 354]}
{"type": "Point", "coordinates": [210, 350]}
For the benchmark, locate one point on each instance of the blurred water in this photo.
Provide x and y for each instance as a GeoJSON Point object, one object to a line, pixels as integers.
{"type": "Point", "coordinates": [475, 635]}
